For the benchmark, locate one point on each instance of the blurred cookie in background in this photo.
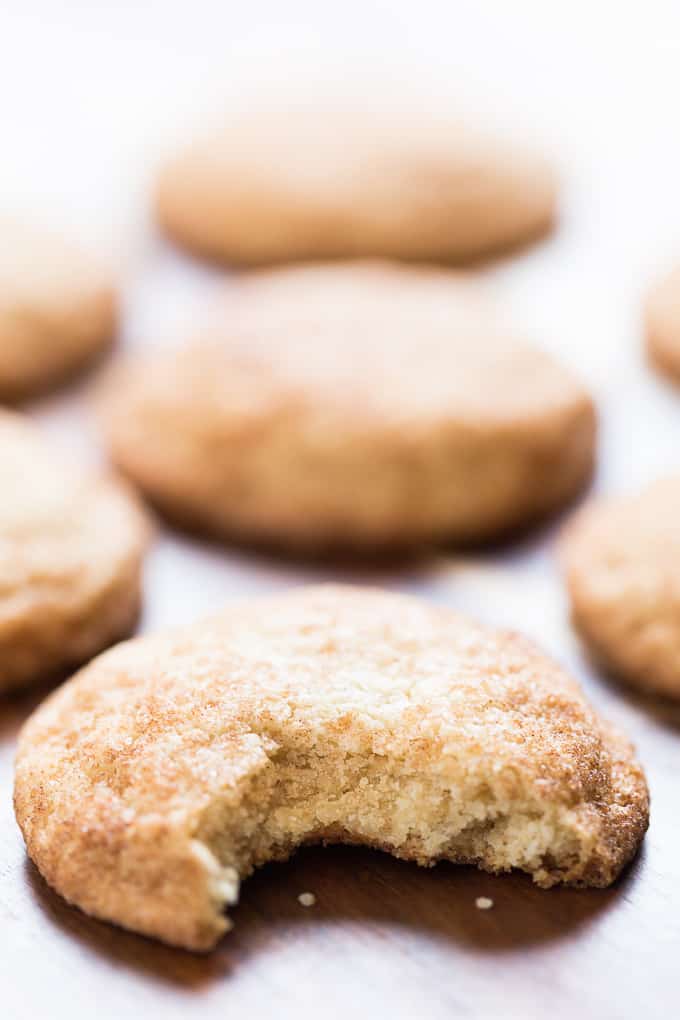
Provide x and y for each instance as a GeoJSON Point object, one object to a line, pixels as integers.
{"type": "Point", "coordinates": [663, 325]}
{"type": "Point", "coordinates": [327, 177]}
{"type": "Point", "coordinates": [357, 406]}
{"type": "Point", "coordinates": [622, 562]}
{"type": "Point", "coordinates": [58, 309]}
{"type": "Point", "coordinates": [71, 548]}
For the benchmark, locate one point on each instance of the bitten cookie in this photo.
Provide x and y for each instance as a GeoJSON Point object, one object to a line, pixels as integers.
{"type": "Point", "coordinates": [360, 406]}
{"type": "Point", "coordinates": [149, 785]}
{"type": "Point", "coordinates": [663, 325]}
{"type": "Point", "coordinates": [622, 563]}
{"type": "Point", "coordinates": [57, 309]}
{"type": "Point", "coordinates": [318, 178]}
{"type": "Point", "coordinates": [71, 547]}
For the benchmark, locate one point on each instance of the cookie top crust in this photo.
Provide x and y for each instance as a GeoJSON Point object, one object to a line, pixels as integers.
{"type": "Point", "coordinates": [379, 341]}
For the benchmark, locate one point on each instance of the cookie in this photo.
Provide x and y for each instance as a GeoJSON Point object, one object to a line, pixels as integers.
{"type": "Point", "coordinates": [622, 562]}
{"type": "Point", "coordinates": [58, 310]}
{"type": "Point", "coordinates": [320, 179]}
{"type": "Point", "coordinates": [663, 325]}
{"type": "Point", "coordinates": [154, 781]}
{"type": "Point", "coordinates": [71, 547]}
{"type": "Point", "coordinates": [361, 406]}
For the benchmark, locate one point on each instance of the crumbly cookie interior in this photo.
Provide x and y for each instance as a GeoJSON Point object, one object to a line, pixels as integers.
{"type": "Point", "coordinates": [328, 796]}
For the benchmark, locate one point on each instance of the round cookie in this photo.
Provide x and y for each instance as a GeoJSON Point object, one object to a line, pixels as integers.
{"type": "Point", "coordinates": [318, 179]}
{"type": "Point", "coordinates": [71, 547]}
{"type": "Point", "coordinates": [663, 325]}
{"type": "Point", "coordinates": [58, 310]}
{"type": "Point", "coordinates": [361, 407]}
{"type": "Point", "coordinates": [160, 776]}
{"type": "Point", "coordinates": [622, 563]}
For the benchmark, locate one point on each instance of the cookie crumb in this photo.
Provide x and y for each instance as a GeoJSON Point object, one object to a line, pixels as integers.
{"type": "Point", "coordinates": [483, 903]}
{"type": "Point", "coordinates": [307, 899]}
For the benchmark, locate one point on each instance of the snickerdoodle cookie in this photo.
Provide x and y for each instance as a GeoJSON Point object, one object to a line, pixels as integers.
{"type": "Point", "coordinates": [71, 546]}
{"type": "Point", "coordinates": [320, 178]}
{"type": "Point", "coordinates": [622, 562]}
{"type": "Point", "coordinates": [156, 779]}
{"type": "Point", "coordinates": [58, 309]}
{"type": "Point", "coordinates": [359, 406]}
{"type": "Point", "coordinates": [663, 325]}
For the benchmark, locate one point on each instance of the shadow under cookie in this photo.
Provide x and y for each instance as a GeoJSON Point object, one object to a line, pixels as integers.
{"type": "Point", "coordinates": [360, 894]}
